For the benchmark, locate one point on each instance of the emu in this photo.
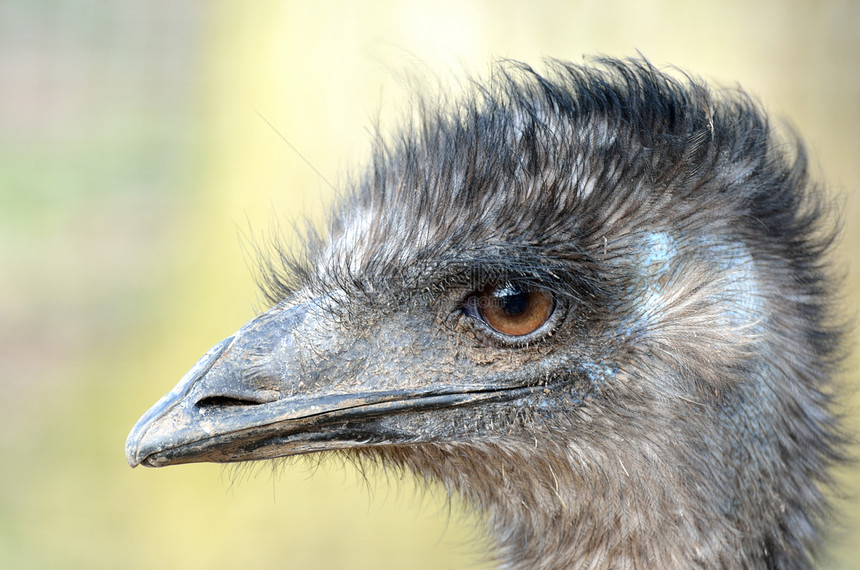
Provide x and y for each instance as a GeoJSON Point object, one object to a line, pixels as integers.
{"type": "Point", "coordinates": [594, 301]}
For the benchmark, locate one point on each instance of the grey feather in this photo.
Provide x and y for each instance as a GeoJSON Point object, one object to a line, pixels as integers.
{"type": "Point", "coordinates": [678, 407]}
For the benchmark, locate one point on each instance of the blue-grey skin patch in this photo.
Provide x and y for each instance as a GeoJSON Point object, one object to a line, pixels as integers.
{"type": "Point", "coordinates": [740, 298]}
{"type": "Point", "coordinates": [724, 274]}
{"type": "Point", "coordinates": [659, 250]}
{"type": "Point", "coordinates": [658, 253]}
{"type": "Point", "coordinates": [597, 373]}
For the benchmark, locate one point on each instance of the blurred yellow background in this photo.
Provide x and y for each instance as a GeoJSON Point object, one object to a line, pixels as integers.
{"type": "Point", "coordinates": [134, 167]}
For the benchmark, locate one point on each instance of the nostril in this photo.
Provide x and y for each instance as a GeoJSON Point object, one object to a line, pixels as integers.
{"type": "Point", "coordinates": [228, 402]}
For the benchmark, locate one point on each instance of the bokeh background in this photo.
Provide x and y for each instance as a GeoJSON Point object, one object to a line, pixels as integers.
{"type": "Point", "coordinates": [135, 168]}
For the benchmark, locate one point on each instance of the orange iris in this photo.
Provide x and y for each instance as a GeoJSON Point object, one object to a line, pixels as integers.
{"type": "Point", "coordinates": [513, 310]}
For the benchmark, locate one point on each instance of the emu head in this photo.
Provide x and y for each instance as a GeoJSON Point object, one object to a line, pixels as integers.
{"type": "Point", "coordinates": [594, 302]}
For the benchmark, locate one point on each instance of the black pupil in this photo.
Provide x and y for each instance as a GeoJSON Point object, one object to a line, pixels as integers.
{"type": "Point", "coordinates": [512, 300]}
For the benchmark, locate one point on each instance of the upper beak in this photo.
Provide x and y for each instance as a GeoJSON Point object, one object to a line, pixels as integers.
{"type": "Point", "coordinates": [262, 394]}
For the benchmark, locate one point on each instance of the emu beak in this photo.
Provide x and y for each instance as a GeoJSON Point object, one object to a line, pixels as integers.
{"type": "Point", "coordinates": [259, 395]}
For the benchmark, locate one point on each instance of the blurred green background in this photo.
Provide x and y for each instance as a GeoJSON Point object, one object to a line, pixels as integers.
{"type": "Point", "coordinates": [134, 167]}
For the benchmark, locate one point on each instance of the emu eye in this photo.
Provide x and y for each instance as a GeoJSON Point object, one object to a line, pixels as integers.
{"type": "Point", "coordinates": [512, 309]}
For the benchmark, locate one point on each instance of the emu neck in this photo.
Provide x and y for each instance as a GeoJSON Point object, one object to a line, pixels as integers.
{"type": "Point", "coordinates": [580, 516]}
{"type": "Point", "coordinates": [602, 507]}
